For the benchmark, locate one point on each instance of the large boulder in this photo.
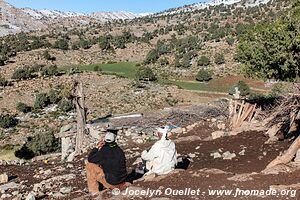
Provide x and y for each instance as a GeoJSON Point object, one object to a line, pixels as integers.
{"type": "Point", "coordinates": [3, 178]}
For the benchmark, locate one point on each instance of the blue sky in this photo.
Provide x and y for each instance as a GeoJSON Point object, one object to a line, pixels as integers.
{"type": "Point", "coordinates": [87, 6]}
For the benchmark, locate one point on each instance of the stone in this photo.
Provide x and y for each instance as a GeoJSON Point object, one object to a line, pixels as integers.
{"type": "Point", "coordinates": [213, 120]}
{"type": "Point", "coordinates": [216, 155]}
{"type": "Point", "coordinates": [178, 130]}
{"type": "Point", "coordinates": [67, 147]}
{"type": "Point", "coordinates": [71, 157]}
{"type": "Point", "coordinates": [242, 153]}
{"type": "Point", "coordinates": [192, 155]}
{"type": "Point", "coordinates": [228, 156]}
{"type": "Point", "coordinates": [66, 128]}
{"type": "Point", "coordinates": [3, 196]}
{"type": "Point", "coordinates": [11, 185]}
{"type": "Point", "coordinates": [48, 172]}
{"type": "Point", "coordinates": [57, 195]}
{"type": "Point", "coordinates": [218, 134]}
{"type": "Point", "coordinates": [15, 193]}
{"type": "Point", "coordinates": [65, 190]}
{"type": "Point", "coordinates": [30, 196]}
{"type": "Point", "coordinates": [3, 178]}
{"type": "Point", "coordinates": [221, 126]}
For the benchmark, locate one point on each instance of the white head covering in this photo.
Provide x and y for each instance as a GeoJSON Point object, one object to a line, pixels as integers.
{"type": "Point", "coordinates": [109, 137]}
{"type": "Point", "coordinates": [164, 131]}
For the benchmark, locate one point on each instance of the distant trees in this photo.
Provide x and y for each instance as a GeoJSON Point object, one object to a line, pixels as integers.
{"type": "Point", "coordinates": [104, 43]}
{"type": "Point", "coordinates": [24, 108]}
{"type": "Point", "coordinates": [47, 56]}
{"type": "Point", "coordinates": [242, 87]}
{"type": "Point", "coordinates": [62, 44]}
{"type": "Point", "coordinates": [271, 51]}
{"type": "Point", "coordinates": [203, 61]}
{"type": "Point", "coordinates": [219, 58]}
{"type": "Point", "coordinates": [145, 74]}
{"type": "Point", "coordinates": [7, 121]}
{"type": "Point", "coordinates": [23, 73]}
{"type": "Point", "coordinates": [204, 75]}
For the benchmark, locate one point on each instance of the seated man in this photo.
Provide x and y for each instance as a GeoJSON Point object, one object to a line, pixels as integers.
{"type": "Point", "coordinates": [107, 165]}
{"type": "Point", "coordinates": [162, 157]}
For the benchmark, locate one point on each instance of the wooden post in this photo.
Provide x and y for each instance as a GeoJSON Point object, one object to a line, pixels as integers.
{"type": "Point", "coordinates": [81, 117]}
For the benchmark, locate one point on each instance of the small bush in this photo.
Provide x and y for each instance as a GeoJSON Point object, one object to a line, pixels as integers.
{"type": "Point", "coordinates": [243, 88]}
{"type": "Point", "coordinates": [41, 101]}
{"type": "Point", "coordinates": [7, 121]}
{"type": "Point", "coordinates": [61, 44]}
{"type": "Point", "coordinates": [40, 144]}
{"type": "Point", "coordinates": [50, 71]}
{"type": "Point", "coordinates": [204, 75]}
{"type": "Point", "coordinates": [97, 68]}
{"type": "Point", "coordinates": [22, 74]}
{"type": "Point", "coordinates": [22, 107]}
{"type": "Point", "coordinates": [54, 96]}
{"type": "Point", "coordinates": [146, 74]}
{"type": "Point", "coordinates": [151, 57]}
{"type": "Point", "coordinates": [3, 82]}
{"type": "Point", "coordinates": [230, 41]}
{"type": "Point", "coordinates": [65, 105]}
{"type": "Point", "coordinates": [219, 58]}
{"type": "Point", "coordinates": [47, 56]}
{"type": "Point", "coordinates": [203, 61]}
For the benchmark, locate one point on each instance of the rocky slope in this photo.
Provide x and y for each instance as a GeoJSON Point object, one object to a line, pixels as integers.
{"type": "Point", "coordinates": [14, 20]}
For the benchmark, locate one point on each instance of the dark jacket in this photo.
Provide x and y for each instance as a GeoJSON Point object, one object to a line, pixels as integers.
{"type": "Point", "coordinates": [112, 159]}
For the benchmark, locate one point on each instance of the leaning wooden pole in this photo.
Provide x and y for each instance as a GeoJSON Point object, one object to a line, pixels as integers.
{"type": "Point", "coordinates": [81, 117]}
{"type": "Point", "coordinates": [287, 156]}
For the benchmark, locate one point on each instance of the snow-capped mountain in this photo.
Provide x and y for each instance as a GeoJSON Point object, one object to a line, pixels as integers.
{"type": "Point", "coordinates": [14, 20]}
{"type": "Point", "coordinates": [199, 6]}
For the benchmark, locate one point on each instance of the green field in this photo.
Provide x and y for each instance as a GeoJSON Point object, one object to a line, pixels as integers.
{"type": "Point", "coordinates": [8, 152]}
{"type": "Point", "coordinates": [128, 69]}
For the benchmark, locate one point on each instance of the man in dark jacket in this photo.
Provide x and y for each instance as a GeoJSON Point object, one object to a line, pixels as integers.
{"type": "Point", "coordinates": [107, 165]}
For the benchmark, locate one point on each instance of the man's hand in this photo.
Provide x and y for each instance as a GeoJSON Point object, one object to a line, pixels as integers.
{"type": "Point", "coordinates": [100, 144]}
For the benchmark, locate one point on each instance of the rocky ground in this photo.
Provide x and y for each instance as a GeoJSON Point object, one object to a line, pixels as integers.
{"type": "Point", "coordinates": [226, 163]}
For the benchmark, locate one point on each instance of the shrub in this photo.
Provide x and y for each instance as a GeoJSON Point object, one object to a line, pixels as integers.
{"type": "Point", "coordinates": [22, 107]}
{"type": "Point", "coordinates": [151, 57]}
{"type": "Point", "coordinates": [22, 74]}
{"type": "Point", "coordinates": [54, 96]}
{"type": "Point", "coordinates": [230, 40]}
{"type": "Point", "coordinates": [41, 101]}
{"type": "Point", "coordinates": [243, 88]}
{"type": "Point", "coordinates": [145, 73]}
{"type": "Point", "coordinates": [204, 75]}
{"type": "Point", "coordinates": [104, 43]}
{"type": "Point", "coordinates": [219, 58]}
{"type": "Point", "coordinates": [3, 82]}
{"type": "Point", "coordinates": [47, 56]}
{"type": "Point", "coordinates": [65, 105]}
{"type": "Point", "coordinates": [51, 70]}
{"type": "Point", "coordinates": [7, 121]}
{"type": "Point", "coordinates": [164, 62]}
{"type": "Point", "coordinates": [203, 61]}
{"type": "Point", "coordinates": [61, 44]}
{"type": "Point", "coordinates": [84, 44]}
{"type": "Point", "coordinates": [97, 68]}
{"type": "Point", "coordinates": [40, 144]}
{"type": "Point", "coordinates": [2, 62]}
